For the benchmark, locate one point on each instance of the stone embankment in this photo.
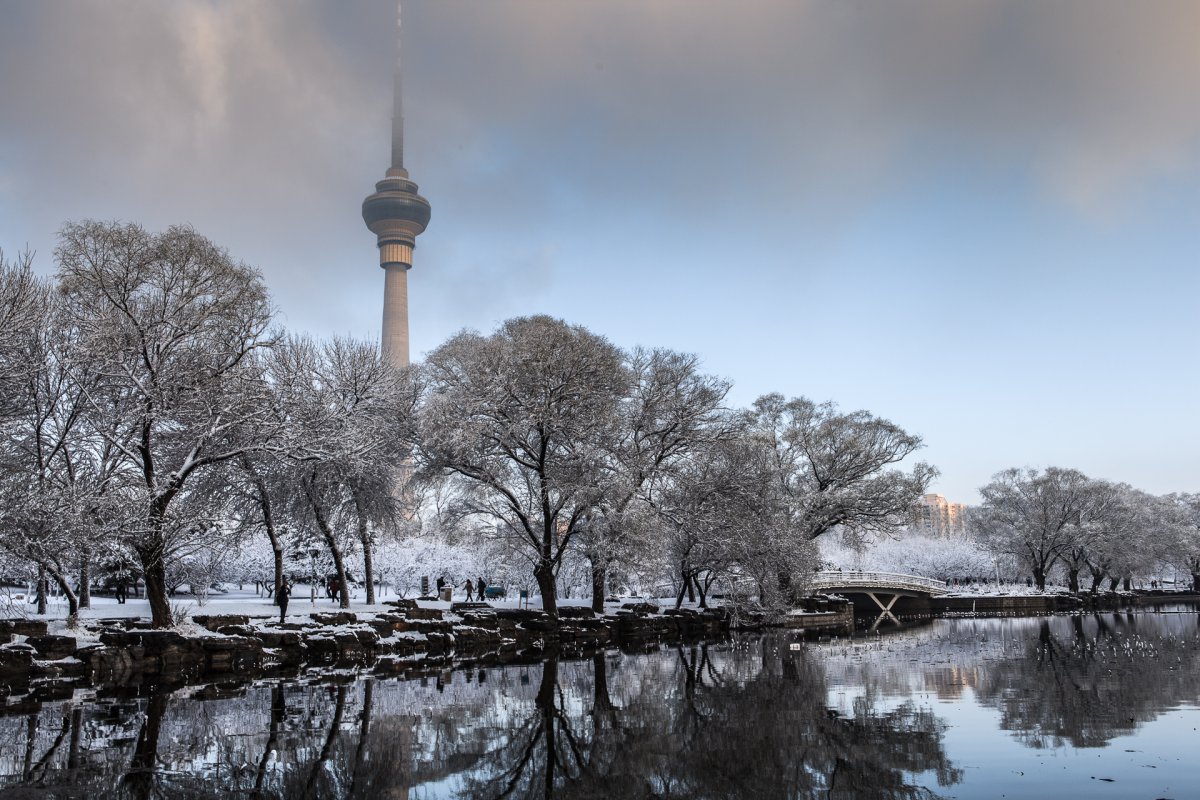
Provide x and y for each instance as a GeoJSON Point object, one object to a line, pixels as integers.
{"type": "Point", "coordinates": [1028, 605]}
{"type": "Point", "coordinates": [121, 651]}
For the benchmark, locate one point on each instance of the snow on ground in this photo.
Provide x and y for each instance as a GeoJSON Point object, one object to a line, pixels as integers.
{"type": "Point", "coordinates": [247, 602]}
{"type": "Point", "coordinates": [1009, 589]}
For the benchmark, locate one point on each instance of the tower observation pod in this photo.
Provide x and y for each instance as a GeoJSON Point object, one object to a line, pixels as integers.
{"type": "Point", "coordinates": [397, 215]}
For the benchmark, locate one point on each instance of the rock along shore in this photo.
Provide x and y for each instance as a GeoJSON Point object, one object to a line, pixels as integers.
{"type": "Point", "coordinates": [122, 651]}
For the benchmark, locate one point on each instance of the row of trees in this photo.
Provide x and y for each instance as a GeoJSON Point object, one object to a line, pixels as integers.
{"type": "Point", "coordinates": [560, 442]}
{"type": "Point", "coordinates": [151, 410]}
{"type": "Point", "coordinates": [1095, 529]}
{"type": "Point", "coordinates": [1047, 525]}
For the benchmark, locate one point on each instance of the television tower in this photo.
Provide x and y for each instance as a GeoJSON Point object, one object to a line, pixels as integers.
{"type": "Point", "coordinates": [396, 214]}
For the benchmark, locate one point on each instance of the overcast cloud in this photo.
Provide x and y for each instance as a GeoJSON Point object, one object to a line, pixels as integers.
{"type": "Point", "coordinates": [977, 218]}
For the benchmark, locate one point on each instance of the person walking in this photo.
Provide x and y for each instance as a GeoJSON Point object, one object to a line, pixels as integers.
{"type": "Point", "coordinates": [470, 589]}
{"type": "Point", "coordinates": [480, 586]}
{"type": "Point", "coordinates": [281, 597]}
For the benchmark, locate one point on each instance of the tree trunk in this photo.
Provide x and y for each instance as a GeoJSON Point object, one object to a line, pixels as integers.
{"type": "Point", "coordinates": [364, 538]}
{"type": "Point", "coordinates": [368, 573]}
{"type": "Point", "coordinates": [1196, 582]}
{"type": "Point", "coordinates": [76, 727]}
{"type": "Point", "coordinates": [1113, 583]}
{"type": "Point", "coordinates": [685, 583]}
{"type": "Point", "coordinates": [85, 579]}
{"type": "Point", "coordinates": [785, 586]}
{"type": "Point", "coordinates": [278, 717]}
{"type": "Point", "coordinates": [700, 591]}
{"type": "Point", "coordinates": [1073, 580]}
{"type": "Point", "coordinates": [65, 585]}
{"type": "Point", "coordinates": [546, 705]}
{"type": "Point", "coordinates": [41, 591]}
{"type": "Point", "coordinates": [544, 574]}
{"type": "Point", "coordinates": [31, 726]}
{"type": "Point", "coordinates": [268, 516]}
{"type": "Point", "coordinates": [335, 727]}
{"type": "Point", "coordinates": [339, 563]}
{"type": "Point", "coordinates": [364, 731]}
{"type": "Point", "coordinates": [277, 553]}
{"type": "Point", "coordinates": [1128, 583]}
{"type": "Point", "coordinates": [1097, 577]}
{"type": "Point", "coordinates": [1039, 578]}
{"type": "Point", "coordinates": [602, 705]}
{"type": "Point", "coordinates": [155, 574]}
{"type": "Point", "coordinates": [139, 781]}
{"type": "Point", "coordinates": [599, 576]}
{"type": "Point", "coordinates": [152, 552]}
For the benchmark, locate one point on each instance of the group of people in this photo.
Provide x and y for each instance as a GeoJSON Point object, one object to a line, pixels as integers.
{"type": "Point", "coordinates": [480, 585]}
{"type": "Point", "coordinates": [477, 589]}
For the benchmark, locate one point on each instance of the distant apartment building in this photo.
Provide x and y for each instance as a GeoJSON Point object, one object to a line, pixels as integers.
{"type": "Point", "coordinates": [934, 515]}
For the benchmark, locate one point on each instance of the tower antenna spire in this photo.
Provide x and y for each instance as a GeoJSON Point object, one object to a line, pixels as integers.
{"type": "Point", "coordinates": [398, 99]}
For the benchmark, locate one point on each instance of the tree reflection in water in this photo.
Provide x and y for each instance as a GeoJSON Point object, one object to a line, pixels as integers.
{"type": "Point", "coordinates": [746, 718]}
{"type": "Point", "coordinates": [746, 721]}
{"type": "Point", "coordinates": [1086, 680]}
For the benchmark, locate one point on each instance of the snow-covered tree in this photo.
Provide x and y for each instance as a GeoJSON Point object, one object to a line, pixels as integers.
{"type": "Point", "coordinates": [831, 469]}
{"type": "Point", "coordinates": [351, 420]}
{"type": "Point", "coordinates": [1122, 535]}
{"type": "Point", "coordinates": [23, 306]}
{"type": "Point", "coordinates": [260, 485]}
{"type": "Point", "coordinates": [942, 557]}
{"type": "Point", "coordinates": [671, 410]}
{"type": "Point", "coordinates": [521, 420]}
{"type": "Point", "coordinates": [55, 471]}
{"type": "Point", "coordinates": [717, 512]}
{"type": "Point", "coordinates": [173, 328]}
{"type": "Point", "coordinates": [1033, 515]}
{"type": "Point", "coordinates": [1180, 521]}
{"type": "Point", "coordinates": [406, 563]}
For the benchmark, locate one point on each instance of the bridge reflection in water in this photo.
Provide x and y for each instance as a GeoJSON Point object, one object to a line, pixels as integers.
{"type": "Point", "coordinates": [882, 588]}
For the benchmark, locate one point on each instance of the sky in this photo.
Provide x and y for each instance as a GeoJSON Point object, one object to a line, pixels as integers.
{"type": "Point", "coordinates": [980, 220]}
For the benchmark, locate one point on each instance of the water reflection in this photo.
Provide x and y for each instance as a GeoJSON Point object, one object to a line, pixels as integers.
{"type": "Point", "coordinates": [730, 721]}
{"type": "Point", "coordinates": [1085, 681]}
{"type": "Point", "coordinates": [754, 717]}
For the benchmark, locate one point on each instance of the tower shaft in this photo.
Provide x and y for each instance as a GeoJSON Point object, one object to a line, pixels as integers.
{"type": "Point", "coordinates": [396, 214]}
{"type": "Point", "coordinates": [394, 343]}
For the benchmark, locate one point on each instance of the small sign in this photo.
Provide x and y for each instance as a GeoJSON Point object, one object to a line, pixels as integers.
{"type": "Point", "coordinates": [796, 646]}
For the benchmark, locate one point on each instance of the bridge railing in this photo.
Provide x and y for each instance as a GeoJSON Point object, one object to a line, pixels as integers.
{"type": "Point", "coordinates": [896, 580]}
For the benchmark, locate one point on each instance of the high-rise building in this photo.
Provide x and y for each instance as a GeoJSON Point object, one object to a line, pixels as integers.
{"type": "Point", "coordinates": [934, 515]}
{"type": "Point", "coordinates": [396, 214]}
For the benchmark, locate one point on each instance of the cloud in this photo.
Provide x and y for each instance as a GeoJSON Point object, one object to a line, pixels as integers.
{"type": "Point", "coordinates": [820, 99]}
{"type": "Point", "coordinates": [265, 122]}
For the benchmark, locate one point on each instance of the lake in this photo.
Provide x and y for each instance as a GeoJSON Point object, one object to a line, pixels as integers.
{"type": "Point", "coordinates": [1098, 706]}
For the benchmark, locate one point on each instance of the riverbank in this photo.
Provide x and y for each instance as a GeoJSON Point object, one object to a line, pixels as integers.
{"type": "Point", "coordinates": [1027, 605]}
{"type": "Point", "coordinates": [962, 707]}
{"type": "Point", "coordinates": [36, 655]}
{"type": "Point", "coordinates": [404, 635]}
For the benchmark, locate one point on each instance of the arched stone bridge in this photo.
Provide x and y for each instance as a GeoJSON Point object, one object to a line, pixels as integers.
{"type": "Point", "coordinates": [883, 588]}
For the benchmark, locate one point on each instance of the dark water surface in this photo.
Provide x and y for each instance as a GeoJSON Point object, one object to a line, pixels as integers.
{"type": "Point", "coordinates": [1097, 706]}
